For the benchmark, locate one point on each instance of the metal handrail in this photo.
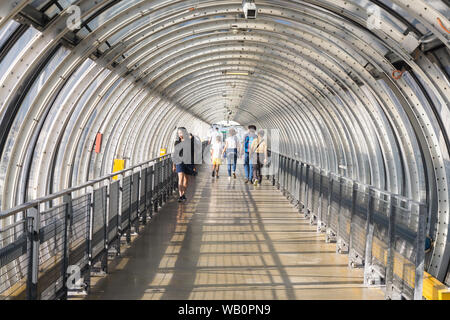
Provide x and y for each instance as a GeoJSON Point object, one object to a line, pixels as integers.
{"type": "Point", "coordinates": [339, 176]}
{"type": "Point", "coordinates": [412, 235]}
{"type": "Point", "coordinates": [36, 202]}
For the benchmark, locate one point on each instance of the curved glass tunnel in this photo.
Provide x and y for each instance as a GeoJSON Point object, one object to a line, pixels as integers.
{"type": "Point", "coordinates": [358, 90]}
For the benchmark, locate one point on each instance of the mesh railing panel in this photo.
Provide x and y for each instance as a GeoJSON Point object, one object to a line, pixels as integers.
{"type": "Point", "coordinates": [325, 192]}
{"type": "Point", "coordinates": [309, 187]}
{"type": "Point", "coordinates": [149, 186]}
{"type": "Point", "coordinates": [113, 219]}
{"type": "Point", "coordinates": [51, 252]}
{"type": "Point", "coordinates": [302, 193]}
{"type": "Point", "coordinates": [345, 212]}
{"type": "Point", "coordinates": [14, 259]}
{"type": "Point", "coordinates": [316, 192]}
{"type": "Point", "coordinates": [359, 220]}
{"type": "Point", "coordinates": [134, 197]}
{"type": "Point", "coordinates": [79, 231]}
{"type": "Point", "coordinates": [405, 245]}
{"type": "Point", "coordinates": [126, 203]}
{"type": "Point", "coordinates": [143, 191]}
{"type": "Point", "coordinates": [334, 204]}
{"type": "Point", "coordinates": [380, 217]}
{"type": "Point", "coordinates": [99, 222]}
{"type": "Point", "coordinates": [388, 228]}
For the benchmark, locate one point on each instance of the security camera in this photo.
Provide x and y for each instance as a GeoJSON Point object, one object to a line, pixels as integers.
{"type": "Point", "coordinates": [249, 8]}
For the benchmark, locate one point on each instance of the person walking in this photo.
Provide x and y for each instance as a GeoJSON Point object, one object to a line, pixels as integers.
{"type": "Point", "coordinates": [232, 149]}
{"type": "Point", "coordinates": [181, 153]}
{"type": "Point", "coordinates": [216, 154]}
{"type": "Point", "coordinates": [213, 136]}
{"type": "Point", "coordinates": [259, 156]}
{"type": "Point", "coordinates": [248, 140]}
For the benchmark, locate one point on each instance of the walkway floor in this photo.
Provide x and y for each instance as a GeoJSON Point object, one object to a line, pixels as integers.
{"type": "Point", "coordinates": [231, 240]}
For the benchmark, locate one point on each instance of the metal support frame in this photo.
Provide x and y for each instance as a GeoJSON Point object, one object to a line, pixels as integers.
{"type": "Point", "coordinates": [33, 229]}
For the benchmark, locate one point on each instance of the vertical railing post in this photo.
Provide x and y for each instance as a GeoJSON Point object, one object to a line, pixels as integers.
{"type": "Point", "coordinates": [90, 191]}
{"type": "Point", "coordinates": [369, 239]}
{"type": "Point", "coordinates": [139, 213]}
{"type": "Point", "coordinates": [107, 208]}
{"type": "Point", "coordinates": [119, 211]}
{"type": "Point", "coordinates": [330, 190]}
{"type": "Point", "coordinates": [164, 178]}
{"type": "Point", "coordinates": [151, 182]}
{"type": "Point", "coordinates": [172, 177]}
{"type": "Point", "coordinates": [160, 182]}
{"type": "Point", "coordinates": [136, 186]}
{"type": "Point", "coordinates": [352, 213]}
{"type": "Point", "coordinates": [156, 185]}
{"type": "Point", "coordinates": [319, 202]}
{"type": "Point", "coordinates": [168, 187]}
{"type": "Point", "coordinates": [144, 186]}
{"type": "Point", "coordinates": [393, 203]}
{"type": "Point", "coordinates": [339, 226]}
{"type": "Point", "coordinates": [288, 176]}
{"type": "Point", "coordinates": [128, 235]}
{"type": "Point", "coordinates": [420, 253]}
{"type": "Point", "coordinates": [275, 163]}
{"type": "Point", "coordinates": [67, 199]}
{"type": "Point", "coordinates": [33, 216]}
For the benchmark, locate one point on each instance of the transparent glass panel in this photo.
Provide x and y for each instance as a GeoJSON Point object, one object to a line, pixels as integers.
{"type": "Point", "coordinates": [66, 3]}
{"type": "Point", "coordinates": [82, 143]}
{"type": "Point", "coordinates": [127, 30]}
{"type": "Point", "coordinates": [81, 105]}
{"type": "Point", "coordinates": [27, 103]}
{"type": "Point", "coordinates": [55, 114]}
{"type": "Point", "coordinates": [83, 33]}
{"type": "Point", "coordinates": [440, 6]}
{"type": "Point", "coordinates": [13, 55]}
{"type": "Point", "coordinates": [7, 31]}
{"type": "Point", "coordinates": [416, 23]}
{"type": "Point", "coordinates": [108, 14]}
{"type": "Point", "coordinates": [52, 11]}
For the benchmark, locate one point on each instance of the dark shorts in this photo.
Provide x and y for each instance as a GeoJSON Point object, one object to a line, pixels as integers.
{"type": "Point", "coordinates": [181, 168]}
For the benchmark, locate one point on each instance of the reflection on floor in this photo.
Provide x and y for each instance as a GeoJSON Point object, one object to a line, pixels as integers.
{"type": "Point", "coordinates": [231, 240]}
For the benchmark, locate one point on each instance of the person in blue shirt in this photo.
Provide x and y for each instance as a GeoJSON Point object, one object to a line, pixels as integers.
{"type": "Point", "coordinates": [248, 140]}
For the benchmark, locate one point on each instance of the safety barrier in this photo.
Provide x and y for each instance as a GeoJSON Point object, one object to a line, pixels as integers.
{"type": "Point", "coordinates": [50, 246]}
{"type": "Point", "coordinates": [380, 231]}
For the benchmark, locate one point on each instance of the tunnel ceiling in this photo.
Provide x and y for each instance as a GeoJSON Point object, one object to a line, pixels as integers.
{"type": "Point", "coordinates": [359, 88]}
